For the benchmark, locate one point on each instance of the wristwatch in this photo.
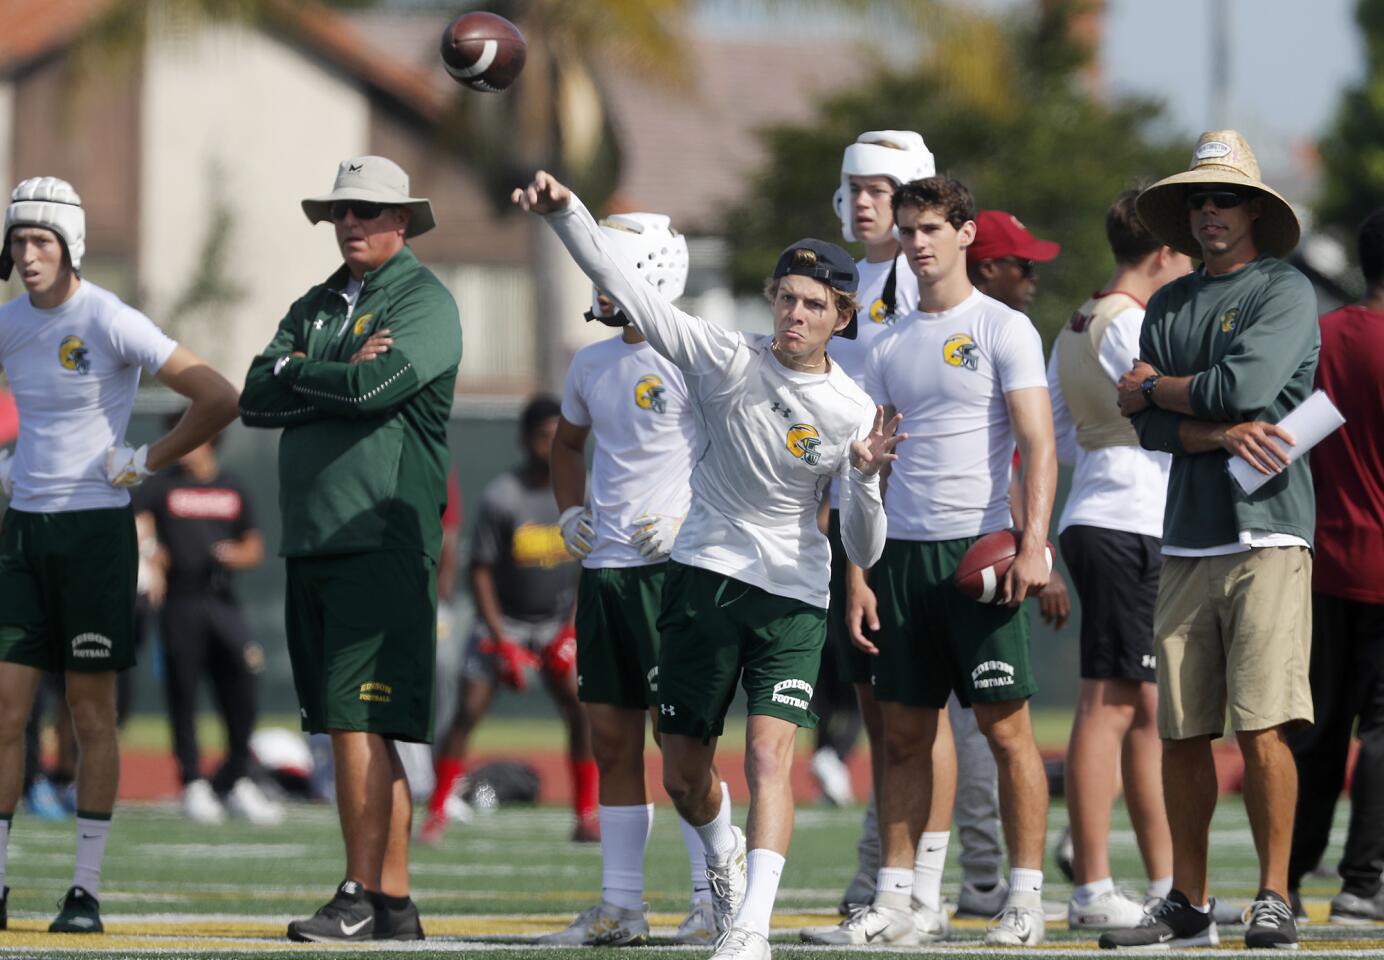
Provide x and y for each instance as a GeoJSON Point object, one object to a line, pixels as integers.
{"type": "Point", "coordinates": [1146, 388]}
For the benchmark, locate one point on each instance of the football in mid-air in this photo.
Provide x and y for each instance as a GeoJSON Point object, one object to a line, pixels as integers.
{"type": "Point", "coordinates": [484, 51]}
{"type": "Point", "coordinates": [980, 575]}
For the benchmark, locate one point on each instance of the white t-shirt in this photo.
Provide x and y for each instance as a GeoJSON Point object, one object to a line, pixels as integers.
{"type": "Point", "coordinates": [1116, 488]}
{"type": "Point", "coordinates": [771, 439]}
{"type": "Point", "coordinates": [74, 371]}
{"type": "Point", "coordinates": [636, 404]}
{"type": "Point", "coordinates": [947, 373]}
{"type": "Point", "coordinates": [872, 321]}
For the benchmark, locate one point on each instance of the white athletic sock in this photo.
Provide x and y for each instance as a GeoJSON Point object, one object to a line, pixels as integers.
{"type": "Point", "coordinates": [4, 848]}
{"type": "Point", "coordinates": [765, 869]}
{"type": "Point", "coordinates": [928, 864]}
{"type": "Point", "coordinates": [696, 853]}
{"type": "Point", "coordinates": [894, 887]}
{"type": "Point", "coordinates": [91, 850]}
{"type": "Point", "coordinates": [1161, 887]}
{"type": "Point", "coordinates": [624, 835]}
{"type": "Point", "coordinates": [718, 840]}
{"type": "Point", "coordinates": [1025, 881]}
{"type": "Point", "coordinates": [1084, 893]}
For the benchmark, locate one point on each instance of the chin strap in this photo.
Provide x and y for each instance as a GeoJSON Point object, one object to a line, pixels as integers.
{"type": "Point", "coordinates": [617, 319]}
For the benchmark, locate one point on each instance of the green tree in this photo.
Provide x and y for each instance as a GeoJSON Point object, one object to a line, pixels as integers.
{"type": "Point", "coordinates": [1353, 151]}
{"type": "Point", "coordinates": [1003, 107]}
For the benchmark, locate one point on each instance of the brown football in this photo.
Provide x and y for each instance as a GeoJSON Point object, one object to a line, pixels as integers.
{"type": "Point", "coordinates": [484, 51]}
{"type": "Point", "coordinates": [980, 575]}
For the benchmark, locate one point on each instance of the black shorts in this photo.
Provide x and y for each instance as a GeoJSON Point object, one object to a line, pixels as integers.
{"type": "Point", "coordinates": [1116, 578]}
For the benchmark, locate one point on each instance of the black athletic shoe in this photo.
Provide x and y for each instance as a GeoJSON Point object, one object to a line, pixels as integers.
{"type": "Point", "coordinates": [1271, 924]}
{"type": "Point", "coordinates": [80, 913]}
{"type": "Point", "coordinates": [4, 908]}
{"type": "Point", "coordinates": [1173, 922]}
{"type": "Point", "coordinates": [348, 916]}
{"type": "Point", "coordinates": [396, 918]}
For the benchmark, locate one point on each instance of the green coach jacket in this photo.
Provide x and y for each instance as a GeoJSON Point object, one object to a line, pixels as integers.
{"type": "Point", "coordinates": [363, 457]}
{"type": "Point", "coordinates": [1249, 340]}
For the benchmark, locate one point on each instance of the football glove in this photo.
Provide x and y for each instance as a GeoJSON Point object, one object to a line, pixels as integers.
{"type": "Point", "coordinates": [6, 465]}
{"type": "Point", "coordinates": [560, 655]}
{"type": "Point", "coordinates": [512, 662]}
{"type": "Point", "coordinates": [578, 536]}
{"type": "Point", "coordinates": [654, 535]}
{"type": "Point", "coordinates": [126, 466]}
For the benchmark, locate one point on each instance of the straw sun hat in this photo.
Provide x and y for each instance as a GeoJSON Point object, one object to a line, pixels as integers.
{"type": "Point", "coordinates": [1221, 158]}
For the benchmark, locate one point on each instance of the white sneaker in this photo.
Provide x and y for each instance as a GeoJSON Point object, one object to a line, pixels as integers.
{"type": "Point", "coordinates": [457, 810]}
{"type": "Point", "coordinates": [728, 879]}
{"type": "Point", "coordinates": [1020, 924]}
{"type": "Point", "coordinates": [833, 777]}
{"type": "Point", "coordinates": [868, 924]}
{"type": "Point", "coordinates": [932, 925]}
{"type": "Point", "coordinates": [699, 928]}
{"type": "Point", "coordinates": [200, 803]}
{"type": "Point", "coordinates": [1115, 910]}
{"type": "Point", "coordinates": [604, 925]}
{"type": "Point", "coordinates": [741, 943]}
{"type": "Point", "coordinates": [247, 801]}
{"type": "Point", "coordinates": [975, 902]}
{"type": "Point", "coordinates": [860, 892]}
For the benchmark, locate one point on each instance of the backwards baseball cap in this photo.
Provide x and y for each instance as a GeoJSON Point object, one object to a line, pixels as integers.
{"type": "Point", "coordinates": [1000, 234]}
{"type": "Point", "coordinates": [829, 264]}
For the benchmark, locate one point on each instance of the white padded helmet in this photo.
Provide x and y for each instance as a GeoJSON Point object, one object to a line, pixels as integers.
{"type": "Point", "coordinates": [899, 155]}
{"type": "Point", "coordinates": [51, 203]}
{"type": "Point", "coordinates": [648, 243]}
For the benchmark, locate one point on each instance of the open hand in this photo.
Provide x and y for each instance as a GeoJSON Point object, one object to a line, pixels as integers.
{"type": "Point", "coordinates": [871, 454]}
{"type": "Point", "coordinates": [544, 195]}
{"type": "Point", "coordinates": [1254, 441]}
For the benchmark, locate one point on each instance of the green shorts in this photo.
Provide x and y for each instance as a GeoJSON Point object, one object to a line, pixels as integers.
{"type": "Point", "coordinates": [853, 665]}
{"type": "Point", "coordinates": [362, 638]}
{"type": "Point", "coordinates": [713, 629]}
{"type": "Point", "coordinates": [617, 635]}
{"type": "Point", "coordinates": [933, 641]}
{"type": "Point", "coordinates": [67, 589]}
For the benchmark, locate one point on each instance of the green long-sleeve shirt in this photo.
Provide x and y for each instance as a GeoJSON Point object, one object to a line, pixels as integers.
{"type": "Point", "coordinates": [363, 457]}
{"type": "Point", "coordinates": [1249, 341]}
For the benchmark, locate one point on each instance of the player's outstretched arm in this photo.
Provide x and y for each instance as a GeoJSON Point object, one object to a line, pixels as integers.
{"type": "Point", "coordinates": [689, 342]}
{"type": "Point", "coordinates": [213, 407]}
{"type": "Point", "coordinates": [863, 526]}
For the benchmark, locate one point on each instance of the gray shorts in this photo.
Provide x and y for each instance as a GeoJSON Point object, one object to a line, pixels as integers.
{"type": "Point", "coordinates": [483, 665]}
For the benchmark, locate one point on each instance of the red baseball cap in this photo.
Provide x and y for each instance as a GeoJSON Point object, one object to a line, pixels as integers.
{"type": "Point", "coordinates": [1000, 234]}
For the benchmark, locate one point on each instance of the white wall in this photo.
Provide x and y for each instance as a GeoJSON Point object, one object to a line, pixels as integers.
{"type": "Point", "coordinates": [236, 114]}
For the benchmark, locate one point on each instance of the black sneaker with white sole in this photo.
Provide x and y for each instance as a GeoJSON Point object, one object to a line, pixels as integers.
{"type": "Point", "coordinates": [396, 918]}
{"type": "Point", "coordinates": [79, 912]}
{"type": "Point", "coordinates": [1271, 924]}
{"type": "Point", "coordinates": [347, 917]}
{"type": "Point", "coordinates": [1172, 922]}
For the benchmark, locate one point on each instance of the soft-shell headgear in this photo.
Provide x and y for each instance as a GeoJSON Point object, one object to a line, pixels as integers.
{"type": "Point", "coordinates": [899, 155]}
{"type": "Point", "coordinates": [648, 244]}
{"type": "Point", "coordinates": [49, 203]}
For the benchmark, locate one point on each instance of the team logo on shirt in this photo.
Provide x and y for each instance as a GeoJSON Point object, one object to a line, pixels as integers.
{"type": "Point", "coordinates": [362, 324]}
{"type": "Point", "coordinates": [648, 393]}
{"type": "Point", "coordinates": [961, 351]}
{"type": "Point", "coordinates": [879, 312]}
{"type": "Point", "coordinates": [72, 354]}
{"type": "Point", "coordinates": [539, 545]}
{"type": "Point", "coordinates": [804, 442]}
{"type": "Point", "coordinates": [1228, 319]}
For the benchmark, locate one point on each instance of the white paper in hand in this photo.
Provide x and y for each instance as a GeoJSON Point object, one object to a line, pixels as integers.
{"type": "Point", "coordinates": [1311, 422]}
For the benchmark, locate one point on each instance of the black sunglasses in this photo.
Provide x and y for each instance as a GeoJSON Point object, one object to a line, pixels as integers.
{"type": "Point", "coordinates": [363, 209]}
{"type": "Point", "coordinates": [1220, 199]}
{"type": "Point", "coordinates": [1027, 268]}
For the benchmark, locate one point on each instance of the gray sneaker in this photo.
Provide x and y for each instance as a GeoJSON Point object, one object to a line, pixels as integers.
{"type": "Point", "coordinates": [604, 925]}
{"type": "Point", "coordinates": [1352, 910]}
{"type": "Point", "coordinates": [986, 904]}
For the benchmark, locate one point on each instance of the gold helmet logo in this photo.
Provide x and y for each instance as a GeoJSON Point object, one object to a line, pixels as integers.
{"type": "Point", "coordinates": [648, 394]}
{"type": "Point", "coordinates": [804, 442]}
{"type": "Point", "coordinates": [72, 354]}
{"type": "Point", "coordinates": [961, 351]}
{"type": "Point", "coordinates": [1228, 319]}
{"type": "Point", "coordinates": [362, 323]}
{"type": "Point", "coordinates": [879, 313]}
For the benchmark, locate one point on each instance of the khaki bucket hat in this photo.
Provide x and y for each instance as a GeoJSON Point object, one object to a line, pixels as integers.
{"type": "Point", "coordinates": [1221, 157]}
{"type": "Point", "coordinates": [374, 180]}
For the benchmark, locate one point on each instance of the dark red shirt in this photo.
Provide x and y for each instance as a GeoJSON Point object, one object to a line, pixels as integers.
{"type": "Point", "coordinates": [1348, 466]}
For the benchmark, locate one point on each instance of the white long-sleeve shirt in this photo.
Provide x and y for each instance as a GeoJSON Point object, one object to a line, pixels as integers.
{"type": "Point", "coordinates": [771, 439]}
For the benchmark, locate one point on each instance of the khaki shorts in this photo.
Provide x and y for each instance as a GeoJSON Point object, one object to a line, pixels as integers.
{"type": "Point", "coordinates": [1234, 630]}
